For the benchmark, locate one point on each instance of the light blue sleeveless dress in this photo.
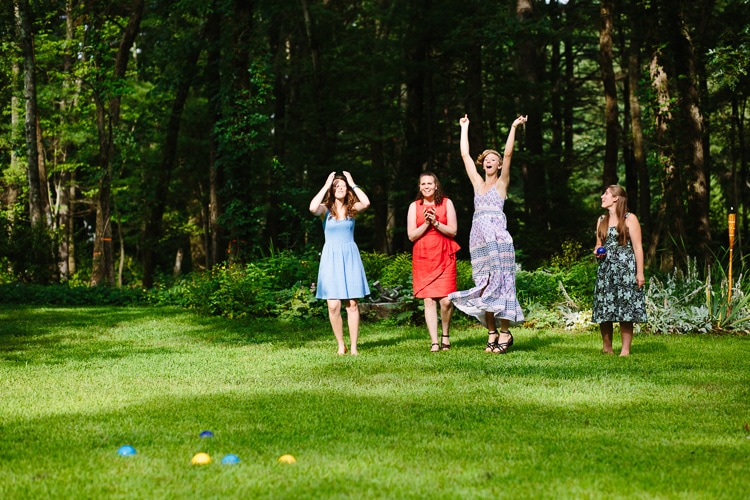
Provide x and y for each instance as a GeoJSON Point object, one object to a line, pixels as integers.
{"type": "Point", "coordinates": [341, 274]}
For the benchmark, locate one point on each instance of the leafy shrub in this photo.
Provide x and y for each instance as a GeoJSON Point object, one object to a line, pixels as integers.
{"type": "Point", "coordinates": [538, 287]}
{"type": "Point", "coordinates": [274, 284]}
{"type": "Point", "coordinates": [299, 303]}
{"type": "Point", "coordinates": [464, 279]}
{"type": "Point", "coordinates": [676, 303]}
{"type": "Point", "coordinates": [374, 264]}
{"type": "Point", "coordinates": [683, 302]}
{"type": "Point", "coordinates": [397, 272]}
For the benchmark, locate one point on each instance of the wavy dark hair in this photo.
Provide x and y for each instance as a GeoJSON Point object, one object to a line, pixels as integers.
{"type": "Point", "coordinates": [439, 193]}
{"type": "Point", "coordinates": [621, 208]}
{"type": "Point", "coordinates": [349, 200]}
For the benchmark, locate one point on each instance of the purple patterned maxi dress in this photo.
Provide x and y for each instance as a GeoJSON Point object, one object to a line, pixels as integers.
{"type": "Point", "coordinates": [493, 263]}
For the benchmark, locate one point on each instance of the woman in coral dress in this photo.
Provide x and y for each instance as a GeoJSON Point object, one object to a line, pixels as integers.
{"type": "Point", "coordinates": [431, 226]}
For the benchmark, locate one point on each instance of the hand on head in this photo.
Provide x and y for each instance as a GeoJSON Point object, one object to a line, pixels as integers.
{"type": "Point", "coordinates": [348, 178]}
{"type": "Point", "coordinates": [331, 176]}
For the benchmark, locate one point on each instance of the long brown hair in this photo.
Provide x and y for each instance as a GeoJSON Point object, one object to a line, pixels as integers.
{"type": "Point", "coordinates": [439, 194]}
{"type": "Point", "coordinates": [349, 200]}
{"type": "Point", "coordinates": [621, 209]}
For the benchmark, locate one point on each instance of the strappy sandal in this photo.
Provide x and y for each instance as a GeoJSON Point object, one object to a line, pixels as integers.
{"type": "Point", "coordinates": [435, 347]}
{"type": "Point", "coordinates": [502, 347]}
{"type": "Point", "coordinates": [443, 345]}
{"type": "Point", "coordinates": [491, 345]}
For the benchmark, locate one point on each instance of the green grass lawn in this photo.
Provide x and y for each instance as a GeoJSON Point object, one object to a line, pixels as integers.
{"type": "Point", "coordinates": [554, 418]}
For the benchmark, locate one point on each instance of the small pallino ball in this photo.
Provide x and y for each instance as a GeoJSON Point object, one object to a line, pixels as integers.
{"type": "Point", "coordinates": [201, 459]}
{"type": "Point", "coordinates": [601, 251]}
{"type": "Point", "coordinates": [286, 459]}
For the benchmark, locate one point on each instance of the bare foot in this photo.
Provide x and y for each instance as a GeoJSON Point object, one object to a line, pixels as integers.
{"type": "Point", "coordinates": [341, 351]}
{"type": "Point", "coordinates": [355, 352]}
{"type": "Point", "coordinates": [607, 351]}
{"type": "Point", "coordinates": [623, 353]}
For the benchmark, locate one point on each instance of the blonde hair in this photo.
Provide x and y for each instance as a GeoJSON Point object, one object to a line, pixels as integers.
{"type": "Point", "coordinates": [486, 152]}
{"type": "Point", "coordinates": [621, 210]}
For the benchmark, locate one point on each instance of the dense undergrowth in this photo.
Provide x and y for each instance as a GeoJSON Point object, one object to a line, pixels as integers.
{"type": "Point", "coordinates": [282, 285]}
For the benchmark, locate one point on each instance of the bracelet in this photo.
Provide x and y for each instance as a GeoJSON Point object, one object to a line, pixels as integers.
{"type": "Point", "coordinates": [437, 224]}
{"type": "Point", "coordinates": [354, 187]}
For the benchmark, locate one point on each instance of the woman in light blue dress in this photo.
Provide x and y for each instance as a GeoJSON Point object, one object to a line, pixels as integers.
{"type": "Point", "coordinates": [341, 276]}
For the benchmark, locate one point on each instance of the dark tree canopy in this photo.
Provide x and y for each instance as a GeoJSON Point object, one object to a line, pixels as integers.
{"type": "Point", "coordinates": [163, 137]}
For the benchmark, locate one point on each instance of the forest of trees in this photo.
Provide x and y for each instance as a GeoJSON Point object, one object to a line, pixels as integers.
{"type": "Point", "coordinates": [140, 138]}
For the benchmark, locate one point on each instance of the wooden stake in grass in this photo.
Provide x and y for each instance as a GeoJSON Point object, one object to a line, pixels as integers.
{"type": "Point", "coordinates": [731, 223]}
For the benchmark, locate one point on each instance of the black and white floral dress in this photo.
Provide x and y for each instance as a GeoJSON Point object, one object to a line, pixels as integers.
{"type": "Point", "coordinates": [616, 293]}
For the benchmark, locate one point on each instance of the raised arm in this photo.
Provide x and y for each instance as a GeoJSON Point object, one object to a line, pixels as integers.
{"type": "Point", "coordinates": [471, 167]}
{"type": "Point", "coordinates": [508, 153]}
{"type": "Point", "coordinates": [362, 200]}
{"type": "Point", "coordinates": [316, 205]}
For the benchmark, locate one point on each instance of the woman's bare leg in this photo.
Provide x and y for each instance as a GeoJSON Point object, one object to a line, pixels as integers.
{"type": "Point", "coordinates": [492, 335]}
{"type": "Point", "coordinates": [431, 319]}
{"type": "Point", "coordinates": [352, 317]}
{"type": "Point", "coordinates": [446, 313]}
{"type": "Point", "coordinates": [626, 330]}
{"type": "Point", "coordinates": [334, 315]}
{"type": "Point", "coordinates": [606, 329]}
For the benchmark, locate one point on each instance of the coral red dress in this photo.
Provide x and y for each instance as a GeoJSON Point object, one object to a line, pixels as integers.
{"type": "Point", "coordinates": [434, 257]}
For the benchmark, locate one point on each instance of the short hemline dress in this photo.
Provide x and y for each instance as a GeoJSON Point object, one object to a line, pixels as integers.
{"type": "Point", "coordinates": [434, 257]}
{"type": "Point", "coordinates": [493, 263]}
{"type": "Point", "coordinates": [341, 274]}
{"type": "Point", "coordinates": [617, 296]}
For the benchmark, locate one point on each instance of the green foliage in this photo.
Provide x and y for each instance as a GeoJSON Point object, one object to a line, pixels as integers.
{"type": "Point", "coordinates": [374, 264]}
{"type": "Point", "coordinates": [464, 279]}
{"type": "Point", "coordinates": [398, 272]}
{"type": "Point", "coordinates": [683, 302]}
{"type": "Point", "coordinates": [266, 287]}
{"type": "Point", "coordinates": [29, 251]}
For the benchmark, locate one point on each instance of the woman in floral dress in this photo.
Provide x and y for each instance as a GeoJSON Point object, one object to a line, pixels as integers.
{"type": "Point", "coordinates": [618, 293]}
{"type": "Point", "coordinates": [493, 263]}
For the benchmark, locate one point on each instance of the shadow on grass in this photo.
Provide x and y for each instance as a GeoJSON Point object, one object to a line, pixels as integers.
{"type": "Point", "coordinates": [63, 334]}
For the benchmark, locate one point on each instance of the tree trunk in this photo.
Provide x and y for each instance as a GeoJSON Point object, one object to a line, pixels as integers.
{"type": "Point", "coordinates": [213, 86]}
{"type": "Point", "coordinates": [533, 170]}
{"type": "Point", "coordinates": [560, 168]}
{"type": "Point", "coordinates": [670, 222]}
{"type": "Point", "coordinates": [643, 207]}
{"type": "Point", "coordinates": [414, 153]}
{"type": "Point", "coordinates": [153, 229]}
{"type": "Point", "coordinates": [611, 118]}
{"type": "Point", "coordinates": [64, 186]}
{"type": "Point", "coordinates": [26, 40]}
{"type": "Point", "coordinates": [108, 117]}
{"type": "Point", "coordinates": [13, 189]}
{"type": "Point", "coordinates": [691, 137]}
